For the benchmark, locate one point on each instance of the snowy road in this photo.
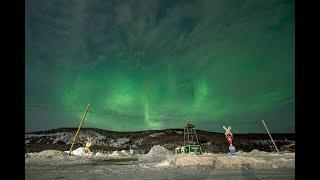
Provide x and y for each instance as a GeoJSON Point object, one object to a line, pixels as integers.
{"type": "Point", "coordinates": [134, 171]}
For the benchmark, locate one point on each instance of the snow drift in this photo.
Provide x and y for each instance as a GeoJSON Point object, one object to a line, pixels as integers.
{"type": "Point", "coordinates": [252, 160]}
{"type": "Point", "coordinates": [160, 157]}
{"type": "Point", "coordinates": [119, 154]}
{"type": "Point", "coordinates": [79, 152]}
{"type": "Point", "coordinates": [157, 153]}
{"type": "Point", "coordinates": [52, 157]}
{"type": "Point", "coordinates": [158, 150]}
{"type": "Point", "coordinates": [51, 153]}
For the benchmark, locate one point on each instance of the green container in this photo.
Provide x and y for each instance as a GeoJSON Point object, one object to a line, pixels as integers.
{"type": "Point", "coordinates": [194, 148]}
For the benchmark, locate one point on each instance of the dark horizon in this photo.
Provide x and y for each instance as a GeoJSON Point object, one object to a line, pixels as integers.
{"type": "Point", "coordinates": [220, 132]}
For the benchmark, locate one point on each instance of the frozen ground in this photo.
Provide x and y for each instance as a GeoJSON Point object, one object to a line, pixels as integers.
{"type": "Point", "coordinates": [160, 163]}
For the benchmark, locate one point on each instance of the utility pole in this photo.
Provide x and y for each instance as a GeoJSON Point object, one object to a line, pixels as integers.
{"type": "Point", "coordinates": [75, 137]}
{"type": "Point", "coordinates": [270, 135]}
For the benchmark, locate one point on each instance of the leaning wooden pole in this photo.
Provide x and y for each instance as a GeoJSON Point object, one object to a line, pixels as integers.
{"type": "Point", "coordinates": [270, 135]}
{"type": "Point", "coordinates": [75, 137]}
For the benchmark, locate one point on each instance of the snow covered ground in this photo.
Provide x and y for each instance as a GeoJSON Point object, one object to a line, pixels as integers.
{"type": "Point", "coordinates": [159, 163]}
{"type": "Point", "coordinates": [252, 160]}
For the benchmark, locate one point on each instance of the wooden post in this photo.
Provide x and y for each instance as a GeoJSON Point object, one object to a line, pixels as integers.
{"type": "Point", "coordinates": [270, 136]}
{"type": "Point", "coordinates": [75, 137]}
{"type": "Point", "coordinates": [184, 136]}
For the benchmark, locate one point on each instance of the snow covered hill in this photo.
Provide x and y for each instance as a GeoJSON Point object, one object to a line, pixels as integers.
{"type": "Point", "coordinates": [142, 141]}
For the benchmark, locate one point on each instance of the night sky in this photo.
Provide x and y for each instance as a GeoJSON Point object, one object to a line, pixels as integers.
{"type": "Point", "coordinates": [160, 63]}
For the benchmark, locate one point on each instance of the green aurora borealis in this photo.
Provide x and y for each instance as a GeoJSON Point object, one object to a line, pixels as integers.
{"type": "Point", "coordinates": [160, 64]}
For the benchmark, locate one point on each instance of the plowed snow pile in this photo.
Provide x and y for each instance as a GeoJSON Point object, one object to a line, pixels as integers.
{"type": "Point", "coordinates": [186, 160]}
{"type": "Point", "coordinates": [115, 154]}
{"type": "Point", "coordinates": [52, 157]}
{"type": "Point", "coordinates": [79, 152]}
{"type": "Point", "coordinates": [51, 153]}
{"type": "Point", "coordinates": [119, 154]}
{"type": "Point", "coordinates": [252, 160]}
{"type": "Point", "coordinates": [157, 153]}
{"type": "Point", "coordinates": [99, 154]}
{"type": "Point", "coordinates": [158, 150]}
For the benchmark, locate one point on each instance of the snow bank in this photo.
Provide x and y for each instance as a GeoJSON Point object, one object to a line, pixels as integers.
{"type": "Point", "coordinates": [159, 156]}
{"type": "Point", "coordinates": [239, 162]}
{"type": "Point", "coordinates": [114, 154]}
{"type": "Point", "coordinates": [53, 157]}
{"type": "Point", "coordinates": [156, 153]}
{"type": "Point", "coordinates": [186, 160]}
{"type": "Point", "coordinates": [50, 153]}
{"type": "Point", "coordinates": [257, 160]}
{"type": "Point", "coordinates": [119, 154]}
{"type": "Point", "coordinates": [79, 152]}
{"type": "Point", "coordinates": [99, 154]}
{"type": "Point", "coordinates": [159, 150]}
{"type": "Point", "coordinates": [252, 160]}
